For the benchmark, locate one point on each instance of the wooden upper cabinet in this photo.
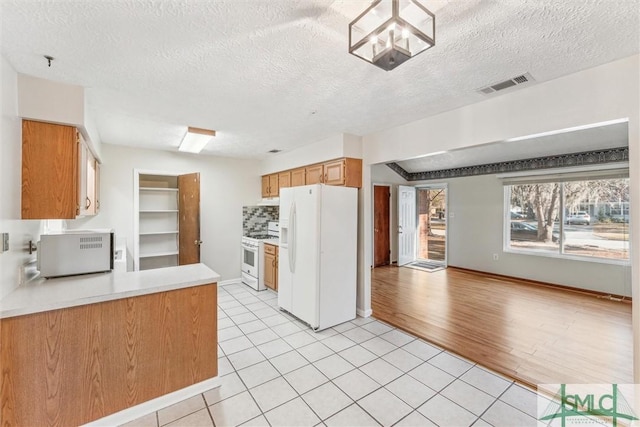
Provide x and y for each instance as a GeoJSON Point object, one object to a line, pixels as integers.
{"type": "Point", "coordinates": [50, 184]}
{"type": "Point", "coordinates": [284, 179]}
{"type": "Point", "coordinates": [347, 172]}
{"type": "Point", "coordinates": [270, 186]}
{"type": "Point", "coordinates": [314, 174]}
{"type": "Point", "coordinates": [334, 173]}
{"type": "Point", "coordinates": [298, 177]}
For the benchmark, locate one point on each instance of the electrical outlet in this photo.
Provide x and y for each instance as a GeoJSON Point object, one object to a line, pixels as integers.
{"type": "Point", "coordinates": [496, 257]}
{"type": "Point", "coordinates": [5, 242]}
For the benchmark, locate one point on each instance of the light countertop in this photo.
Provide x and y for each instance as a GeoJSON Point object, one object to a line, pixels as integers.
{"type": "Point", "coordinates": [52, 294]}
{"type": "Point", "coordinates": [274, 242]}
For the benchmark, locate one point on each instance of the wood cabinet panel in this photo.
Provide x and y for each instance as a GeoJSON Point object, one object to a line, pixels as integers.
{"type": "Point", "coordinates": [49, 171]}
{"type": "Point", "coordinates": [270, 186]}
{"type": "Point", "coordinates": [314, 174]}
{"type": "Point", "coordinates": [334, 173]}
{"type": "Point", "coordinates": [298, 177]}
{"type": "Point", "coordinates": [284, 179]}
{"type": "Point", "coordinates": [71, 366]}
{"type": "Point", "coordinates": [271, 266]}
{"type": "Point", "coordinates": [265, 186]}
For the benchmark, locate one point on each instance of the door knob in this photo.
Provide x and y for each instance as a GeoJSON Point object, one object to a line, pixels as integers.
{"type": "Point", "coordinates": [197, 242]}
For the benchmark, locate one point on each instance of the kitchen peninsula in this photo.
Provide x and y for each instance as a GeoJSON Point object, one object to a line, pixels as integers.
{"type": "Point", "coordinates": [80, 348]}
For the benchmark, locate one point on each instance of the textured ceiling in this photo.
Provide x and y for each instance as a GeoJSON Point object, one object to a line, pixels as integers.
{"type": "Point", "coordinates": [276, 73]}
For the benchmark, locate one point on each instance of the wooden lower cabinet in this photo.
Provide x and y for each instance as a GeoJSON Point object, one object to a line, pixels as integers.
{"type": "Point", "coordinates": [271, 266]}
{"type": "Point", "coordinates": [74, 365]}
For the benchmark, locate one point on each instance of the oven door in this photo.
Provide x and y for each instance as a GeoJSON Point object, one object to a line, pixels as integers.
{"type": "Point", "coordinates": [250, 261]}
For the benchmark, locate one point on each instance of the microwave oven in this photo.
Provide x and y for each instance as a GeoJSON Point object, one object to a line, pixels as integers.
{"type": "Point", "coordinates": [75, 252]}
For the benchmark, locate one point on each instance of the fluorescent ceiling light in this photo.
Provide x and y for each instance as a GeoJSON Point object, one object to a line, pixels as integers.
{"type": "Point", "coordinates": [196, 139]}
{"type": "Point", "coordinates": [567, 130]}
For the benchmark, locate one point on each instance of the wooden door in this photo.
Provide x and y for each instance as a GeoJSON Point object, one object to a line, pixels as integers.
{"type": "Point", "coordinates": [314, 174]}
{"type": "Point", "coordinates": [265, 186]}
{"type": "Point", "coordinates": [382, 247]}
{"type": "Point", "coordinates": [189, 219]}
{"type": "Point", "coordinates": [298, 177]}
{"type": "Point", "coordinates": [334, 173]}
{"type": "Point", "coordinates": [284, 179]}
{"type": "Point", "coordinates": [49, 171]}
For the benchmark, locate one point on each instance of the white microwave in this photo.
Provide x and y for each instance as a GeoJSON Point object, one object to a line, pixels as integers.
{"type": "Point", "coordinates": [75, 252]}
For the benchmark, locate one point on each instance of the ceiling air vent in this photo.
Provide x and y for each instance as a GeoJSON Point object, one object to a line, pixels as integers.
{"type": "Point", "coordinates": [275, 150]}
{"type": "Point", "coordinates": [518, 80]}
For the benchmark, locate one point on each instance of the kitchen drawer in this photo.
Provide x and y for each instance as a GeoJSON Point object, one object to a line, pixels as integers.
{"type": "Point", "coordinates": [270, 249]}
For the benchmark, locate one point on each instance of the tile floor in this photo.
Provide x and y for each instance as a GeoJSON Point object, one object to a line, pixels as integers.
{"type": "Point", "coordinates": [275, 371]}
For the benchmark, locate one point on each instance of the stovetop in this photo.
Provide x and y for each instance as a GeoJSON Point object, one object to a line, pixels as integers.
{"type": "Point", "coordinates": [261, 236]}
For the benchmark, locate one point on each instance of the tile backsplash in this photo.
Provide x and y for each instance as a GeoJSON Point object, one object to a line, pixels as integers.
{"type": "Point", "coordinates": [255, 218]}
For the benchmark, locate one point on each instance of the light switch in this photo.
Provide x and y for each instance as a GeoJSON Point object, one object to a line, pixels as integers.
{"type": "Point", "coordinates": [5, 242]}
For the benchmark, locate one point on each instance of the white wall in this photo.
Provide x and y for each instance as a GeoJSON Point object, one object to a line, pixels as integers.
{"type": "Point", "coordinates": [599, 94]}
{"type": "Point", "coordinates": [20, 232]}
{"type": "Point", "coordinates": [383, 175]}
{"type": "Point", "coordinates": [225, 186]}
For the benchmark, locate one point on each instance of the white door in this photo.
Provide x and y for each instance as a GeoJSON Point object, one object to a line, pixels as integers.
{"type": "Point", "coordinates": [406, 224]}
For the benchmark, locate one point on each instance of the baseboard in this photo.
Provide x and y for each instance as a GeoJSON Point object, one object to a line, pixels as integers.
{"type": "Point", "coordinates": [156, 404]}
{"type": "Point", "coordinates": [230, 282]}
{"type": "Point", "coordinates": [364, 313]}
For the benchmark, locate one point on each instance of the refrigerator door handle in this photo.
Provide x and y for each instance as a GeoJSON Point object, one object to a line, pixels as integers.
{"type": "Point", "coordinates": [292, 238]}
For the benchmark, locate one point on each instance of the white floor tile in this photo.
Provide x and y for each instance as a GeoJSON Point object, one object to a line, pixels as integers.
{"type": "Point", "coordinates": [327, 400]}
{"type": "Point", "coordinates": [397, 337]}
{"type": "Point", "coordinates": [522, 399]}
{"type": "Point", "coordinates": [235, 410]}
{"type": "Point", "coordinates": [386, 408]}
{"type": "Point", "coordinates": [234, 311]}
{"type": "Point", "coordinates": [342, 327]}
{"type": "Point", "coordinates": [500, 412]}
{"type": "Point", "coordinates": [467, 396]}
{"type": "Point", "coordinates": [333, 366]}
{"type": "Point", "coordinates": [229, 303]}
{"type": "Point", "coordinates": [274, 348]}
{"type": "Point", "coordinates": [243, 318]}
{"type": "Point", "coordinates": [275, 320]}
{"type": "Point", "coordinates": [357, 355]}
{"type": "Point", "coordinates": [381, 371]}
{"type": "Point", "coordinates": [451, 364]}
{"type": "Point", "coordinates": [377, 328]}
{"type": "Point", "coordinates": [224, 366]}
{"type": "Point", "coordinates": [273, 393]}
{"type": "Point", "coordinates": [422, 349]}
{"type": "Point", "coordinates": [351, 416]}
{"type": "Point", "coordinates": [245, 358]}
{"type": "Point", "coordinates": [431, 376]}
{"type": "Point", "coordinates": [415, 419]}
{"type": "Point", "coordinates": [149, 420]}
{"type": "Point", "coordinates": [180, 409]}
{"type": "Point", "coordinates": [315, 351]}
{"type": "Point", "coordinates": [268, 311]}
{"type": "Point", "coordinates": [299, 339]}
{"type": "Point", "coordinates": [378, 346]}
{"type": "Point", "coordinates": [402, 360]}
{"type": "Point", "coordinates": [229, 333]}
{"type": "Point", "coordinates": [358, 334]}
{"type": "Point", "coordinates": [486, 381]}
{"type": "Point", "coordinates": [338, 342]}
{"type": "Point", "coordinates": [286, 329]}
{"type": "Point", "coordinates": [288, 362]}
{"type": "Point", "coordinates": [295, 413]}
{"type": "Point", "coordinates": [257, 374]}
{"type": "Point", "coordinates": [326, 333]}
{"type": "Point", "coordinates": [230, 385]}
{"type": "Point", "coordinates": [235, 345]}
{"type": "Point", "coordinates": [305, 378]}
{"type": "Point", "coordinates": [356, 384]}
{"type": "Point", "coordinates": [197, 419]}
{"type": "Point", "coordinates": [253, 326]}
{"type": "Point", "coordinates": [263, 336]}
{"type": "Point", "coordinates": [259, 421]}
{"type": "Point", "coordinates": [225, 323]}
{"type": "Point", "coordinates": [444, 412]}
{"type": "Point", "coordinates": [410, 390]}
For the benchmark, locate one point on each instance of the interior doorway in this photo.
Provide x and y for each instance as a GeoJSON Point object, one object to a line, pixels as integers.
{"type": "Point", "coordinates": [381, 227]}
{"type": "Point", "coordinates": [431, 211]}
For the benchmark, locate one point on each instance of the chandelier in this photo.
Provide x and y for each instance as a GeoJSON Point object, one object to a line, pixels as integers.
{"type": "Point", "coordinates": [389, 32]}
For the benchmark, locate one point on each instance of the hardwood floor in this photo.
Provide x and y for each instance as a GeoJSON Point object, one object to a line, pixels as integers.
{"type": "Point", "coordinates": [532, 333]}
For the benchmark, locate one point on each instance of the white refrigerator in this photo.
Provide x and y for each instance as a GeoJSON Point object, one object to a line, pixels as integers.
{"type": "Point", "coordinates": [318, 254]}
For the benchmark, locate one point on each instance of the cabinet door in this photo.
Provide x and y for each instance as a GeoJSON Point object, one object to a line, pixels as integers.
{"type": "Point", "coordinates": [189, 219]}
{"type": "Point", "coordinates": [265, 186]}
{"type": "Point", "coordinates": [49, 171]}
{"type": "Point", "coordinates": [90, 184]}
{"type": "Point", "coordinates": [284, 179]}
{"type": "Point", "coordinates": [314, 174]}
{"type": "Point", "coordinates": [270, 270]}
{"type": "Point", "coordinates": [274, 190]}
{"type": "Point", "coordinates": [298, 177]}
{"type": "Point", "coordinates": [334, 173]}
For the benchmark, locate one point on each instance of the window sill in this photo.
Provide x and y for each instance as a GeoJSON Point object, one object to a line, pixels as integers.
{"type": "Point", "coordinates": [620, 262]}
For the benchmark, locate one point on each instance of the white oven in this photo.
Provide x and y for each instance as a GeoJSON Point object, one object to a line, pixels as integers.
{"type": "Point", "coordinates": [251, 262]}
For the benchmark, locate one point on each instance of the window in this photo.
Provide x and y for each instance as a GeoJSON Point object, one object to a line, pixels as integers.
{"type": "Point", "coordinates": [574, 218]}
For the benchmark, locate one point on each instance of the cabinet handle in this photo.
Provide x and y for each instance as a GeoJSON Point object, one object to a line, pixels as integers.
{"type": "Point", "coordinates": [88, 203]}
{"type": "Point", "coordinates": [97, 204]}
{"type": "Point", "coordinates": [197, 242]}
